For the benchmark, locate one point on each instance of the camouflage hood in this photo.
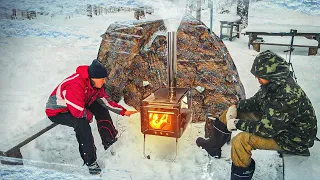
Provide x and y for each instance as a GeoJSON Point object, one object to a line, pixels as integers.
{"type": "Point", "coordinates": [270, 66]}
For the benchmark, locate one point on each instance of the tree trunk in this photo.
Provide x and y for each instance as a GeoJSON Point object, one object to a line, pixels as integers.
{"type": "Point", "coordinates": [199, 10]}
{"type": "Point", "coordinates": [242, 11]}
{"type": "Point", "coordinates": [89, 10]}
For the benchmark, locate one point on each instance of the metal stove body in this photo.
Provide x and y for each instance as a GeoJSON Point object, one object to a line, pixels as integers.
{"type": "Point", "coordinates": [162, 117]}
{"type": "Point", "coordinates": [167, 111]}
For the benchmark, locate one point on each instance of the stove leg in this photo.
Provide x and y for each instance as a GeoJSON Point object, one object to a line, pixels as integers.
{"type": "Point", "coordinates": [176, 147]}
{"type": "Point", "coordinates": [174, 159]}
{"type": "Point", "coordinates": [144, 147]}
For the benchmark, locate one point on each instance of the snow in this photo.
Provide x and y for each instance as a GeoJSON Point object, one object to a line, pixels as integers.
{"type": "Point", "coordinates": [310, 7]}
{"type": "Point", "coordinates": [307, 167]}
{"type": "Point", "coordinates": [25, 135]}
{"type": "Point", "coordinates": [228, 17]}
{"type": "Point", "coordinates": [281, 28]}
{"type": "Point", "coordinates": [56, 7]}
{"type": "Point", "coordinates": [38, 54]}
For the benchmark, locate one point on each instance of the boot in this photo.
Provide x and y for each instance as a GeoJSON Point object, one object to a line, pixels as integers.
{"type": "Point", "coordinates": [217, 138]}
{"type": "Point", "coordinates": [94, 168]}
{"type": "Point", "coordinates": [240, 173]}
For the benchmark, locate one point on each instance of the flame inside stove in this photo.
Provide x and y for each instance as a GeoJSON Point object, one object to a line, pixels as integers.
{"type": "Point", "coordinates": [160, 120]}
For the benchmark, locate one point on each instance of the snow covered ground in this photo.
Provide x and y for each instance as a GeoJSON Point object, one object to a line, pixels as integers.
{"type": "Point", "coordinates": [36, 55]}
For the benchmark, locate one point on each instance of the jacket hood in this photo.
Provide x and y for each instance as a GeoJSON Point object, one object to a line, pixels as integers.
{"type": "Point", "coordinates": [83, 71]}
{"type": "Point", "coordinates": [270, 66]}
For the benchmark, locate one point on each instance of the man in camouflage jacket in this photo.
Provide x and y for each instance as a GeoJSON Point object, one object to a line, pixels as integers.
{"type": "Point", "coordinates": [278, 117]}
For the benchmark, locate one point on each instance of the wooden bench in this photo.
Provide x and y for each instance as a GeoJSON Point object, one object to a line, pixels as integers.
{"type": "Point", "coordinates": [313, 50]}
{"type": "Point", "coordinates": [311, 44]}
{"type": "Point", "coordinates": [11, 147]}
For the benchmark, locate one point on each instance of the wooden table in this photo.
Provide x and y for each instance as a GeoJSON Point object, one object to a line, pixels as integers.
{"type": "Point", "coordinates": [229, 22]}
{"type": "Point", "coordinates": [310, 32]}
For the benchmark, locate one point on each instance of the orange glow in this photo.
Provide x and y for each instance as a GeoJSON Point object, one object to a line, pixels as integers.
{"type": "Point", "coordinates": [160, 121]}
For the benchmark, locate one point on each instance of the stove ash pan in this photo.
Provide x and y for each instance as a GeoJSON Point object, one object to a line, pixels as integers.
{"type": "Point", "coordinates": [164, 115]}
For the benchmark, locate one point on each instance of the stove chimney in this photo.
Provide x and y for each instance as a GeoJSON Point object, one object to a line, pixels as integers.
{"type": "Point", "coordinates": [172, 64]}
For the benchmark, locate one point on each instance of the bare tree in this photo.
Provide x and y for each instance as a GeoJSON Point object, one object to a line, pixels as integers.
{"type": "Point", "coordinates": [199, 10]}
{"type": "Point", "coordinates": [89, 10]}
{"type": "Point", "coordinates": [242, 11]}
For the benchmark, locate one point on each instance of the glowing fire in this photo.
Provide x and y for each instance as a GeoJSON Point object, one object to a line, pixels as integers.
{"type": "Point", "coordinates": [158, 120]}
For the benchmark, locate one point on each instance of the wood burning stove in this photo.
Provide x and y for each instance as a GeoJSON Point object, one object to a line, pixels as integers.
{"type": "Point", "coordinates": [167, 111]}
{"type": "Point", "coordinates": [164, 117]}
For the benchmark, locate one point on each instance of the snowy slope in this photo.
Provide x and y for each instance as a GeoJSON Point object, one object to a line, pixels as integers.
{"type": "Point", "coordinates": [57, 7]}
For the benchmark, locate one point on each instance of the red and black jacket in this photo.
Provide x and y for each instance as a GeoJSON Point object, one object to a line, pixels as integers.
{"type": "Point", "coordinates": [75, 92]}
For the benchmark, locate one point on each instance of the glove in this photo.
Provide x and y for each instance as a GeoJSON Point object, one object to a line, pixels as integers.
{"type": "Point", "coordinates": [231, 124]}
{"type": "Point", "coordinates": [231, 113]}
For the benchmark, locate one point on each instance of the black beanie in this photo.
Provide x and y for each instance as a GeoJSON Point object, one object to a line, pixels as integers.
{"type": "Point", "coordinates": [97, 70]}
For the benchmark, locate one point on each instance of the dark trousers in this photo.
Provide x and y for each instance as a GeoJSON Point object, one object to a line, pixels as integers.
{"type": "Point", "coordinates": [83, 132]}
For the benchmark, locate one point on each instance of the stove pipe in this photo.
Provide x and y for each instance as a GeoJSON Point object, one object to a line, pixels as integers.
{"type": "Point", "coordinates": [172, 64]}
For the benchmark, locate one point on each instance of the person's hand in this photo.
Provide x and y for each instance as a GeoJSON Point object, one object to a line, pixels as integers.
{"type": "Point", "coordinates": [232, 112]}
{"type": "Point", "coordinates": [231, 124]}
{"type": "Point", "coordinates": [129, 113]}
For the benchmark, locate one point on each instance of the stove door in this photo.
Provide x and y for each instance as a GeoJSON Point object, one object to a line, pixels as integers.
{"type": "Point", "coordinates": [159, 121]}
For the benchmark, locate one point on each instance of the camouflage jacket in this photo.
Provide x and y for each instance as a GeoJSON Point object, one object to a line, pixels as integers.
{"type": "Point", "coordinates": [287, 113]}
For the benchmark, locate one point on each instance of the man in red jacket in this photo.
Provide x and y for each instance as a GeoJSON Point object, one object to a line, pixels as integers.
{"type": "Point", "coordinates": [74, 102]}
